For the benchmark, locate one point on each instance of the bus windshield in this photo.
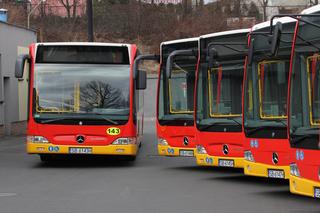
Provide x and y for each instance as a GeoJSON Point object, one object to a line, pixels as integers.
{"type": "Point", "coordinates": [225, 86]}
{"type": "Point", "coordinates": [266, 85]}
{"type": "Point", "coordinates": [305, 87]}
{"type": "Point", "coordinates": [313, 69]}
{"type": "Point", "coordinates": [219, 86]}
{"type": "Point", "coordinates": [81, 91]}
{"type": "Point", "coordinates": [181, 88]}
{"type": "Point", "coordinates": [273, 86]}
{"type": "Point", "coordinates": [176, 94]}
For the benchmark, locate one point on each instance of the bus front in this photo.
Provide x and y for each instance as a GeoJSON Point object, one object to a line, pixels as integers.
{"type": "Point", "coordinates": [82, 99]}
{"type": "Point", "coordinates": [266, 146]}
{"type": "Point", "coordinates": [175, 104]}
{"type": "Point", "coordinates": [304, 113]}
{"type": "Point", "coordinates": [219, 85]}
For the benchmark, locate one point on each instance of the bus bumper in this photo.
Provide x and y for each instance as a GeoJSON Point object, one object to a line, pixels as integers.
{"type": "Point", "coordinates": [208, 160]}
{"type": "Point", "coordinates": [175, 151]}
{"type": "Point", "coordinates": [262, 170]}
{"type": "Point", "coordinates": [304, 187]}
{"type": "Point", "coordinates": [130, 149]}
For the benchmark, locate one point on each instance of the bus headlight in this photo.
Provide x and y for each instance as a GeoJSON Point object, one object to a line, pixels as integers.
{"type": "Point", "coordinates": [36, 139]}
{"type": "Point", "coordinates": [124, 141]}
{"type": "Point", "coordinates": [162, 142]}
{"type": "Point", "coordinates": [201, 150]}
{"type": "Point", "coordinates": [248, 156]}
{"type": "Point", "coordinates": [294, 170]}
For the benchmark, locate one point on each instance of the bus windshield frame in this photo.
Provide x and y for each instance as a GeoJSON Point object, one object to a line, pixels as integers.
{"type": "Point", "coordinates": [66, 92]}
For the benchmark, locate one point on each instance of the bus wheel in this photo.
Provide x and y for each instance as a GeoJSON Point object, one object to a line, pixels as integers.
{"type": "Point", "coordinates": [46, 158]}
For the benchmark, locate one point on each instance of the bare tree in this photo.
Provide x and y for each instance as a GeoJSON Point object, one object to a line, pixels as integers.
{"type": "Point", "coordinates": [264, 4]}
{"type": "Point", "coordinates": [71, 7]}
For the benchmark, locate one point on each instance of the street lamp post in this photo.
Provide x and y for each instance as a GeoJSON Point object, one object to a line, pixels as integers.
{"type": "Point", "coordinates": [32, 11]}
{"type": "Point", "coordinates": [90, 20]}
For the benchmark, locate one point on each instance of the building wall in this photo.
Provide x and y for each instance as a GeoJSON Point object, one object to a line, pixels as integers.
{"type": "Point", "coordinates": [13, 94]}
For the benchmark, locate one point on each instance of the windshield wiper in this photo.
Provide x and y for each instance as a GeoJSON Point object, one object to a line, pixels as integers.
{"type": "Point", "coordinates": [101, 115]}
{"type": "Point", "coordinates": [255, 129]}
{"type": "Point", "coordinates": [299, 138]}
{"type": "Point", "coordinates": [234, 120]}
{"type": "Point", "coordinates": [78, 118]}
{"type": "Point", "coordinates": [54, 120]}
{"type": "Point", "coordinates": [214, 124]}
{"type": "Point", "coordinates": [258, 128]}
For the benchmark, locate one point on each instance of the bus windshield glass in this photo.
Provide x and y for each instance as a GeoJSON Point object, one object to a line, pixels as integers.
{"type": "Point", "coordinates": [313, 69]}
{"type": "Point", "coordinates": [181, 88]}
{"type": "Point", "coordinates": [266, 85]}
{"type": "Point", "coordinates": [219, 84]}
{"type": "Point", "coordinates": [273, 86]}
{"type": "Point", "coordinates": [176, 94]}
{"type": "Point", "coordinates": [225, 86]}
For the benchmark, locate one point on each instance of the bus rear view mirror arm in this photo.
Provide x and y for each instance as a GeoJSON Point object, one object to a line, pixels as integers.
{"type": "Point", "coordinates": [275, 38]}
{"type": "Point", "coordinates": [250, 51]}
{"type": "Point", "coordinates": [174, 54]}
{"type": "Point", "coordinates": [19, 67]}
{"type": "Point", "coordinates": [213, 56]}
{"type": "Point", "coordinates": [140, 76]}
{"type": "Point", "coordinates": [143, 58]}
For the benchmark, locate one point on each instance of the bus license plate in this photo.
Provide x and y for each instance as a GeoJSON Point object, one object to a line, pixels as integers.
{"type": "Point", "coordinates": [186, 153]}
{"type": "Point", "coordinates": [226, 163]}
{"type": "Point", "coordinates": [317, 192]}
{"type": "Point", "coordinates": [276, 173]}
{"type": "Point", "coordinates": [80, 150]}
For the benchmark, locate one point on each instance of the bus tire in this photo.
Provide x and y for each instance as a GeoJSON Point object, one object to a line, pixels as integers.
{"type": "Point", "coordinates": [46, 158]}
{"type": "Point", "coordinates": [131, 158]}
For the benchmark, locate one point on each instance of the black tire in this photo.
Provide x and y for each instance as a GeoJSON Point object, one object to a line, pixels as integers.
{"type": "Point", "coordinates": [131, 158]}
{"type": "Point", "coordinates": [46, 158]}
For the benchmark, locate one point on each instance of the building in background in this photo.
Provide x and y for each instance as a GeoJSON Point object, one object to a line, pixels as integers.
{"type": "Point", "coordinates": [13, 93]}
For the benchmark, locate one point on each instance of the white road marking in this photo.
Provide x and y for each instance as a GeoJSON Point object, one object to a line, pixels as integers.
{"type": "Point", "coordinates": [7, 194]}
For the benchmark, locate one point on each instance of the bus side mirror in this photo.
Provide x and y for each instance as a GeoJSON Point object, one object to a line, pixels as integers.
{"type": "Point", "coordinates": [174, 54]}
{"type": "Point", "coordinates": [250, 52]}
{"type": "Point", "coordinates": [143, 58]}
{"type": "Point", "coordinates": [275, 38]}
{"type": "Point", "coordinates": [141, 83]}
{"type": "Point", "coordinates": [19, 67]}
{"type": "Point", "coordinates": [213, 56]}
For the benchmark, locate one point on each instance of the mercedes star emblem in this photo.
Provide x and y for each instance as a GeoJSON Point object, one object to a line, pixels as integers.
{"type": "Point", "coordinates": [275, 158]}
{"type": "Point", "coordinates": [80, 138]}
{"type": "Point", "coordinates": [225, 149]}
{"type": "Point", "coordinates": [185, 141]}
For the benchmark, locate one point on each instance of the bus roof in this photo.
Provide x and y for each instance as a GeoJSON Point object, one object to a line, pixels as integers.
{"type": "Point", "coordinates": [179, 41]}
{"type": "Point", "coordinates": [223, 33]}
{"type": "Point", "coordinates": [88, 44]}
{"type": "Point", "coordinates": [266, 24]}
{"type": "Point", "coordinates": [311, 10]}
{"type": "Point", "coordinates": [83, 44]}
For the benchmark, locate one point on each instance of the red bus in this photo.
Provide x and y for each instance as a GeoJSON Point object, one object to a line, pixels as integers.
{"type": "Point", "coordinates": [175, 123]}
{"type": "Point", "coordinates": [304, 110]}
{"type": "Point", "coordinates": [266, 146]}
{"type": "Point", "coordinates": [84, 98]}
{"type": "Point", "coordinates": [219, 85]}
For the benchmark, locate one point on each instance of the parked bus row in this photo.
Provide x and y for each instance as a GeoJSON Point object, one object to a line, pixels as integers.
{"type": "Point", "coordinates": [246, 98]}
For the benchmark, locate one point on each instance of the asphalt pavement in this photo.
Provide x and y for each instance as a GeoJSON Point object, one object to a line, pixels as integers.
{"type": "Point", "coordinates": [152, 184]}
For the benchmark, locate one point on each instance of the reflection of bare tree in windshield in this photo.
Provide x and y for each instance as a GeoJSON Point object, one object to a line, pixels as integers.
{"type": "Point", "coordinates": [98, 94]}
